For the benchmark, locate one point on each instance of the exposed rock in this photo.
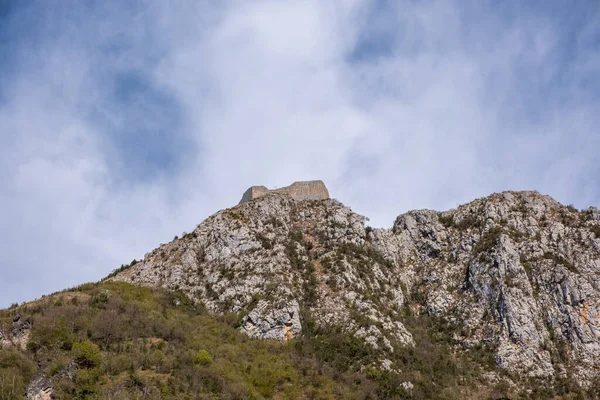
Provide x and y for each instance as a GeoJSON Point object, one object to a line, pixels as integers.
{"type": "Point", "coordinates": [265, 322]}
{"type": "Point", "coordinates": [275, 254]}
{"type": "Point", "coordinates": [69, 371]}
{"type": "Point", "coordinates": [515, 273]}
{"type": "Point", "coordinates": [21, 330]}
{"type": "Point", "coordinates": [19, 334]}
{"type": "Point", "coordinates": [518, 272]}
{"type": "Point", "coordinates": [40, 388]}
{"type": "Point", "coordinates": [594, 212]}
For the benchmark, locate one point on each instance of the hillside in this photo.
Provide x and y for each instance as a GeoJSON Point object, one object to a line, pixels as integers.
{"type": "Point", "coordinates": [281, 298]}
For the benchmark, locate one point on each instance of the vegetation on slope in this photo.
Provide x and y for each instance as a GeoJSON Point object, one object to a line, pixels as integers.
{"type": "Point", "coordinates": [132, 342]}
{"type": "Point", "coordinates": [119, 341]}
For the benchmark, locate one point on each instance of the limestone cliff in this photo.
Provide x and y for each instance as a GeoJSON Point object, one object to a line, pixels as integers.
{"type": "Point", "coordinates": [274, 256]}
{"type": "Point", "coordinates": [515, 273]}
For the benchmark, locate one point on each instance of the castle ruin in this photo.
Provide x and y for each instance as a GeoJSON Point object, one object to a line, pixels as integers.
{"type": "Point", "coordinates": [307, 190]}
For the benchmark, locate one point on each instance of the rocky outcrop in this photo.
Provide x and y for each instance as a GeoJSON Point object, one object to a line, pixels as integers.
{"type": "Point", "coordinates": [281, 323]}
{"type": "Point", "coordinates": [309, 190]}
{"type": "Point", "coordinates": [594, 213]}
{"type": "Point", "coordinates": [40, 388]}
{"type": "Point", "coordinates": [518, 273]}
{"type": "Point", "coordinates": [515, 273]}
{"type": "Point", "coordinates": [271, 258]}
{"type": "Point", "coordinates": [19, 334]}
{"type": "Point", "coordinates": [21, 330]}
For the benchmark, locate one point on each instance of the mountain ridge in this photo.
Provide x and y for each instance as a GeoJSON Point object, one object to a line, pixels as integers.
{"type": "Point", "coordinates": [498, 237]}
{"type": "Point", "coordinates": [507, 282]}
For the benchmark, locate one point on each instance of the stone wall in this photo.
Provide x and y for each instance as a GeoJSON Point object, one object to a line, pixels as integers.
{"type": "Point", "coordinates": [253, 193]}
{"type": "Point", "coordinates": [308, 190]}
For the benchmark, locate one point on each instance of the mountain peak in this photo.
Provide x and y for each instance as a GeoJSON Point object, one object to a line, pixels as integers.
{"type": "Point", "coordinates": [504, 262]}
{"type": "Point", "coordinates": [509, 281]}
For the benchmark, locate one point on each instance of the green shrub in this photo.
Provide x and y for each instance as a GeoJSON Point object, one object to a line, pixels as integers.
{"type": "Point", "coordinates": [100, 299]}
{"type": "Point", "coordinates": [296, 236]}
{"type": "Point", "coordinates": [274, 222]}
{"type": "Point", "coordinates": [86, 354]}
{"type": "Point", "coordinates": [265, 242]}
{"type": "Point", "coordinates": [291, 251]}
{"type": "Point", "coordinates": [447, 221]}
{"type": "Point", "coordinates": [123, 267]}
{"type": "Point", "coordinates": [57, 335]}
{"type": "Point", "coordinates": [470, 221]}
{"type": "Point", "coordinates": [337, 349]}
{"type": "Point", "coordinates": [203, 358]}
{"type": "Point", "coordinates": [15, 370]}
{"type": "Point", "coordinates": [488, 240]}
{"type": "Point", "coordinates": [527, 267]}
{"type": "Point", "coordinates": [12, 384]}
{"type": "Point", "coordinates": [558, 259]}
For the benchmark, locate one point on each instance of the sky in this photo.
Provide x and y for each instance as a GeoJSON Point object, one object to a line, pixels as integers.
{"type": "Point", "coordinates": [123, 124]}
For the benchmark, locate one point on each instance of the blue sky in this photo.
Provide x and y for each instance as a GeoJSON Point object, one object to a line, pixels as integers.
{"type": "Point", "coordinates": [124, 124]}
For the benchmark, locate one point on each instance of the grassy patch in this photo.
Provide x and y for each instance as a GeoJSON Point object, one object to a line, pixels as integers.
{"type": "Point", "coordinates": [139, 340]}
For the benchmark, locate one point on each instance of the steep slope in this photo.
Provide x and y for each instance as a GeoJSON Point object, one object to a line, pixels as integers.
{"type": "Point", "coordinates": [118, 341]}
{"type": "Point", "coordinates": [515, 274]}
{"type": "Point", "coordinates": [273, 257]}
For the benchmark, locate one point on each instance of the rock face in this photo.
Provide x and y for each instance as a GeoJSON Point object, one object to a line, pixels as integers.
{"type": "Point", "coordinates": [281, 323]}
{"type": "Point", "coordinates": [272, 258]}
{"type": "Point", "coordinates": [516, 273]}
{"type": "Point", "coordinates": [19, 334]}
{"type": "Point", "coordinates": [309, 190]}
{"type": "Point", "coordinates": [40, 388]}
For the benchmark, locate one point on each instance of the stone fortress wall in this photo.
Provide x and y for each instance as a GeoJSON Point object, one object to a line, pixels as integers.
{"type": "Point", "coordinates": [307, 190]}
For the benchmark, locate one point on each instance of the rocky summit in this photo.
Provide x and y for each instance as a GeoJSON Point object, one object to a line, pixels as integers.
{"type": "Point", "coordinates": [507, 285]}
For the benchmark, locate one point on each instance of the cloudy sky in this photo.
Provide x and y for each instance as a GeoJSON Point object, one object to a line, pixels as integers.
{"type": "Point", "coordinates": [125, 123]}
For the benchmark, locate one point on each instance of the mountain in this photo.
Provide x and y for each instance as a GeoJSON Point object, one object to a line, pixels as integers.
{"type": "Point", "coordinates": [497, 298]}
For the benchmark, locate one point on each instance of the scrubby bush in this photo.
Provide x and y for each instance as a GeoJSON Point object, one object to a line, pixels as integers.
{"type": "Point", "coordinates": [100, 299]}
{"type": "Point", "coordinates": [203, 358]}
{"type": "Point", "coordinates": [87, 354]}
{"type": "Point", "coordinates": [16, 369]}
{"type": "Point", "coordinates": [446, 220]}
{"type": "Point", "coordinates": [488, 240]}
